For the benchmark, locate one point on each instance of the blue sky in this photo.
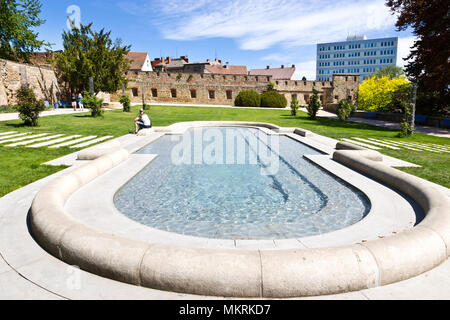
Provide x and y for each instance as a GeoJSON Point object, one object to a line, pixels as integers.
{"type": "Point", "coordinates": [255, 33]}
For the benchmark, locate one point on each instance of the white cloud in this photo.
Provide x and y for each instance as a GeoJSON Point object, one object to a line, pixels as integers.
{"type": "Point", "coordinates": [404, 49]}
{"type": "Point", "coordinates": [305, 69]}
{"type": "Point", "coordinates": [262, 24]}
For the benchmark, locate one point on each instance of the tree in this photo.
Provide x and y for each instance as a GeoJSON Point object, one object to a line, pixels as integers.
{"type": "Point", "coordinates": [28, 106]}
{"type": "Point", "coordinates": [428, 65]}
{"type": "Point", "coordinates": [345, 109]}
{"type": "Point", "coordinates": [294, 106]}
{"type": "Point", "coordinates": [390, 71]}
{"type": "Point", "coordinates": [17, 20]}
{"type": "Point", "coordinates": [313, 105]}
{"type": "Point", "coordinates": [376, 94]}
{"type": "Point", "coordinates": [87, 54]}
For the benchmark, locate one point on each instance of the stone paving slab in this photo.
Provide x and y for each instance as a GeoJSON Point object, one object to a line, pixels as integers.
{"type": "Point", "coordinates": [48, 143]}
{"type": "Point", "coordinates": [7, 133]}
{"type": "Point", "coordinates": [362, 144]}
{"type": "Point", "coordinates": [65, 144]}
{"type": "Point", "coordinates": [15, 287]}
{"type": "Point", "coordinates": [24, 138]}
{"type": "Point", "coordinates": [13, 136]}
{"type": "Point", "coordinates": [85, 144]}
{"type": "Point", "coordinates": [34, 140]}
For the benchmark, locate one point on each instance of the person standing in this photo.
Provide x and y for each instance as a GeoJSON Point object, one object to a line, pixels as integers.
{"type": "Point", "coordinates": [74, 102]}
{"type": "Point", "coordinates": [80, 102]}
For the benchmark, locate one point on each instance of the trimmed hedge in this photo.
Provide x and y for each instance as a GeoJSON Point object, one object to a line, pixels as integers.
{"type": "Point", "coordinates": [248, 98]}
{"type": "Point", "coordinates": [273, 99]}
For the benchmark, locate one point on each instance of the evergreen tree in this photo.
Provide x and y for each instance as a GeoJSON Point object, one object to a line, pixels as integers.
{"type": "Point", "coordinates": [87, 54]}
{"type": "Point", "coordinates": [17, 20]}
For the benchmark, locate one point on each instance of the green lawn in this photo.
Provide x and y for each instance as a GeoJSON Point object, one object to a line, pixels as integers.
{"type": "Point", "coordinates": [20, 166]}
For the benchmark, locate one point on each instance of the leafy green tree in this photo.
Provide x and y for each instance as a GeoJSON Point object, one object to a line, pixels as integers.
{"type": "Point", "coordinates": [313, 105]}
{"type": "Point", "coordinates": [428, 64]}
{"type": "Point", "coordinates": [18, 18]}
{"type": "Point", "coordinates": [28, 106]}
{"type": "Point", "coordinates": [126, 103]}
{"type": "Point", "coordinates": [294, 106]}
{"type": "Point", "coordinates": [89, 53]}
{"type": "Point", "coordinates": [345, 109]}
{"type": "Point", "coordinates": [390, 71]}
{"type": "Point", "coordinates": [94, 103]}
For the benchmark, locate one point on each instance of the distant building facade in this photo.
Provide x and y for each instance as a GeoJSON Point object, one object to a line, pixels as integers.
{"type": "Point", "coordinates": [140, 61]}
{"type": "Point", "coordinates": [358, 55]}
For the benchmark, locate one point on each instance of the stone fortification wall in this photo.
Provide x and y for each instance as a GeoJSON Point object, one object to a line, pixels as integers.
{"type": "Point", "coordinates": [41, 79]}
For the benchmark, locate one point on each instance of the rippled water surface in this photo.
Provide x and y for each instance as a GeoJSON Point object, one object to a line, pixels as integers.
{"type": "Point", "coordinates": [237, 201]}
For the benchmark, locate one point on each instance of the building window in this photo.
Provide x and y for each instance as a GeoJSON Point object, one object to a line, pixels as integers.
{"type": "Point", "coordinates": [173, 93]}
{"type": "Point", "coordinates": [154, 93]}
{"type": "Point", "coordinates": [135, 92]}
{"type": "Point", "coordinates": [193, 93]}
{"type": "Point", "coordinates": [307, 98]}
{"type": "Point", "coordinates": [336, 97]}
{"type": "Point", "coordinates": [229, 94]}
{"type": "Point", "coordinates": [212, 94]}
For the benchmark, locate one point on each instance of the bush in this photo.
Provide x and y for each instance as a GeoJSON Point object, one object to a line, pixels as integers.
{"type": "Point", "coordinates": [28, 107]}
{"type": "Point", "coordinates": [248, 98]}
{"type": "Point", "coordinates": [273, 99]}
{"type": "Point", "coordinates": [94, 103]}
{"type": "Point", "coordinates": [294, 106]}
{"type": "Point", "coordinates": [345, 109]}
{"type": "Point", "coordinates": [313, 105]}
{"type": "Point", "coordinates": [126, 103]}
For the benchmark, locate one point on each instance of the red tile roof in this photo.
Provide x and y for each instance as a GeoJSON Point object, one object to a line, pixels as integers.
{"type": "Point", "coordinates": [217, 69]}
{"type": "Point", "coordinates": [137, 60]}
{"type": "Point", "coordinates": [276, 73]}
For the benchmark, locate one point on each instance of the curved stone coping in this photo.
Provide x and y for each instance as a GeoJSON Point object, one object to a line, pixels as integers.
{"type": "Point", "coordinates": [100, 150]}
{"type": "Point", "coordinates": [272, 274]}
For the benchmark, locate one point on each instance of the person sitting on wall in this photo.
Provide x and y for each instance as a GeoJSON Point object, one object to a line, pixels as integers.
{"type": "Point", "coordinates": [142, 122]}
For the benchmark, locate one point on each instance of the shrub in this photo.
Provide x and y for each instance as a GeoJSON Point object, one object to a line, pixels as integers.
{"type": "Point", "coordinates": [28, 107]}
{"type": "Point", "coordinates": [376, 94]}
{"type": "Point", "coordinates": [271, 85]}
{"type": "Point", "coordinates": [345, 109]}
{"type": "Point", "coordinates": [248, 98]}
{"type": "Point", "coordinates": [273, 99]}
{"type": "Point", "coordinates": [126, 103]}
{"type": "Point", "coordinates": [313, 105]}
{"type": "Point", "coordinates": [94, 103]}
{"type": "Point", "coordinates": [294, 106]}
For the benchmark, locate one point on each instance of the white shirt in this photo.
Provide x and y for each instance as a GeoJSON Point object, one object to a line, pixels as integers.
{"type": "Point", "coordinates": [146, 120]}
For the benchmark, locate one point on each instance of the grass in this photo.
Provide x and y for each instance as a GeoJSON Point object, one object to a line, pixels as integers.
{"type": "Point", "coordinates": [20, 166]}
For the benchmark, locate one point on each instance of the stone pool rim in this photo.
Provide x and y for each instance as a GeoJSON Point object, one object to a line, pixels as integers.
{"type": "Point", "coordinates": [250, 273]}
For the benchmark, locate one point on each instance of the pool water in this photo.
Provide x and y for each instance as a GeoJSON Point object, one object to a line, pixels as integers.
{"type": "Point", "coordinates": [240, 201]}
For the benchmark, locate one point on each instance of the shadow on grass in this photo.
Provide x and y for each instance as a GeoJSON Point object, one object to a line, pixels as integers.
{"type": "Point", "coordinates": [336, 123]}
